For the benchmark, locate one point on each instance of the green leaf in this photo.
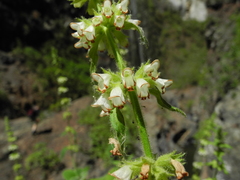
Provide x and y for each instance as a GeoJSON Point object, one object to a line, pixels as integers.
{"type": "Point", "coordinates": [75, 174]}
{"type": "Point", "coordinates": [69, 174]}
{"type": "Point", "coordinates": [117, 123]}
{"type": "Point", "coordinates": [163, 103]}
{"type": "Point", "coordinates": [63, 152]}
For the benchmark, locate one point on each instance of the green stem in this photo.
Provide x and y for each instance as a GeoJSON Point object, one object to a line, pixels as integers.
{"type": "Point", "coordinates": [115, 50]}
{"type": "Point", "coordinates": [141, 125]}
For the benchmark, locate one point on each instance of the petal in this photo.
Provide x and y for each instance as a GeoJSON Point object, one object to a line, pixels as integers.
{"type": "Point", "coordinates": [78, 44]}
{"type": "Point", "coordinates": [75, 25]}
{"type": "Point", "coordinates": [90, 33]}
{"type": "Point", "coordinates": [124, 6]}
{"type": "Point", "coordinates": [117, 98]}
{"type": "Point", "coordinates": [107, 10]}
{"type": "Point", "coordinates": [162, 84]}
{"type": "Point", "coordinates": [119, 21]}
{"type": "Point", "coordinates": [97, 20]}
{"type": "Point", "coordinates": [127, 77]}
{"type": "Point", "coordinates": [76, 35]}
{"type": "Point", "coordinates": [142, 88]}
{"type": "Point", "coordinates": [134, 21]}
{"type": "Point", "coordinates": [103, 81]}
{"type": "Point", "coordinates": [104, 103]}
{"type": "Point", "coordinates": [103, 113]}
{"type": "Point", "coordinates": [152, 69]}
{"type": "Point", "coordinates": [123, 173]}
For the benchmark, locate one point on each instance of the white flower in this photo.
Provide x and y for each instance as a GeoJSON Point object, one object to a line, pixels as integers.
{"type": "Point", "coordinates": [78, 26]}
{"type": "Point", "coordinates": [103, 81]}
{"type": "Point", "coordinates": [162, 84]}
{"type": "Point", "coordinates": [152, 69]}
{"type": "Point", "coordinates": [103, 113]}
{"type": "Point", "coordinates": [124, 173]}
{"type": "Point", "coordinates": [142, 88]}
{"type": "Point", "coordinates": [119, 21]}
{"type": "Point", "coordinates": [89, 33]}
{"type": "Point", "coordinates": [123, 6]}
{"type": "Point", "coordinates": [127, 78]}
{"type": "Point", "coordinates": [83, 42]}
{"type": "Point", "coordinates": [107, 10]}
{"type": "Point", "coordinates": [76, 35]}
{"type": "Point", "coordinates": [117, 98]}
{"type": "Point", "coordinates": [104, 103]}
{"type": "Point", "coordinates": [97, 20]}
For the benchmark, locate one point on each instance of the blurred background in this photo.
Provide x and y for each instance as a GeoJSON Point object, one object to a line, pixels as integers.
{"type": "Point", "coordinates": [197, 43]}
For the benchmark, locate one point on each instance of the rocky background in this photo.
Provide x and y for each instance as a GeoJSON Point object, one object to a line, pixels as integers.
{"type": "Point", "coordinates": [196, 42]}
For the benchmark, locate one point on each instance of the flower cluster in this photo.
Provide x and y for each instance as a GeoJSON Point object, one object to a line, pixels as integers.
{"type": "Point", "coordinates": [113, 87]}
{"type": "Point", "coordinates": [111, 17]}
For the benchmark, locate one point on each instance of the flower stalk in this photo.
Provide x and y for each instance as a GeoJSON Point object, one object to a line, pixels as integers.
{"type": "Point", "coordinates": [140, 124]}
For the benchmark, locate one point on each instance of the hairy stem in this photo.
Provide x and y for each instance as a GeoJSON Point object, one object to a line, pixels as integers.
{"type": "Point", "coordinates": [140, 124]}
{"type": "Point", "coordinates": [115, 50]}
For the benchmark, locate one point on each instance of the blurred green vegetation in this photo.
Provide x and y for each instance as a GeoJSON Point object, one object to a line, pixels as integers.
{"type": "Point", "coordinates": [229, 65]}
{"type": "Point", "coordinates": [182, 49]}
{"type": "Point", "coordinates": [100, 132]}
{"type": "Point", "coordinates": [48, 63]}
{"type": "Point", "coordinates": [43, 158]}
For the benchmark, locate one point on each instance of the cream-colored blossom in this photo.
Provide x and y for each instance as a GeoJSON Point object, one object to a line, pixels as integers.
{"type": "Point", "coordinates": [152, 69]}
{"type": "Point", "coordinates": [162, 84]}
{"type": "Point", "coordinates": [107, 9]}
{"type": "Point", "coordinates": [119, 22]}
{"type": "Point", "coordinates": [142, 88]}
{"type": "Point", "coordinates": [127, 78]}
{"type": "Point", "coordinates": [117, 98]}
{"type": "Point", "coordinates": [124, 173]}
{"type": "Point", "coordinates": [104, 103]}
{"type": "Point", "coordinates": [103, 81]}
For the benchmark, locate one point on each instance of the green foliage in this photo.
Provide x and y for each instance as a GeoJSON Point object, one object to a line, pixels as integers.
{"type": "Point", "coordinates": [99, 132]}
{"type": "Point", "coordinates": [211, 135]}
{"type": "Point", "coordinates": [229, 64]}
{"type": "Point", "coordinates": [75, 174]}
{"type": "Point", "coordinates": [49, 64]}
{"type": "Point", "coordinates": [14, 151]}
{"type": "Point", "coordinates": [42, 157]}
{"type": "Point", "coordinates": [181, 48]}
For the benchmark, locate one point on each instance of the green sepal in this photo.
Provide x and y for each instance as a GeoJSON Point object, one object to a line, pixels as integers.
{"type": "Point", "coordinates": [163, 103]}
{"type": "Point", "coordinates": [118, 124]}
{"type": "Point", "coordinates": [162, 168]}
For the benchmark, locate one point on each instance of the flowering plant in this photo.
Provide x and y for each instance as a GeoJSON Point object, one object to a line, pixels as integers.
{"type": "Point", "coordinates": [104, 32]}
